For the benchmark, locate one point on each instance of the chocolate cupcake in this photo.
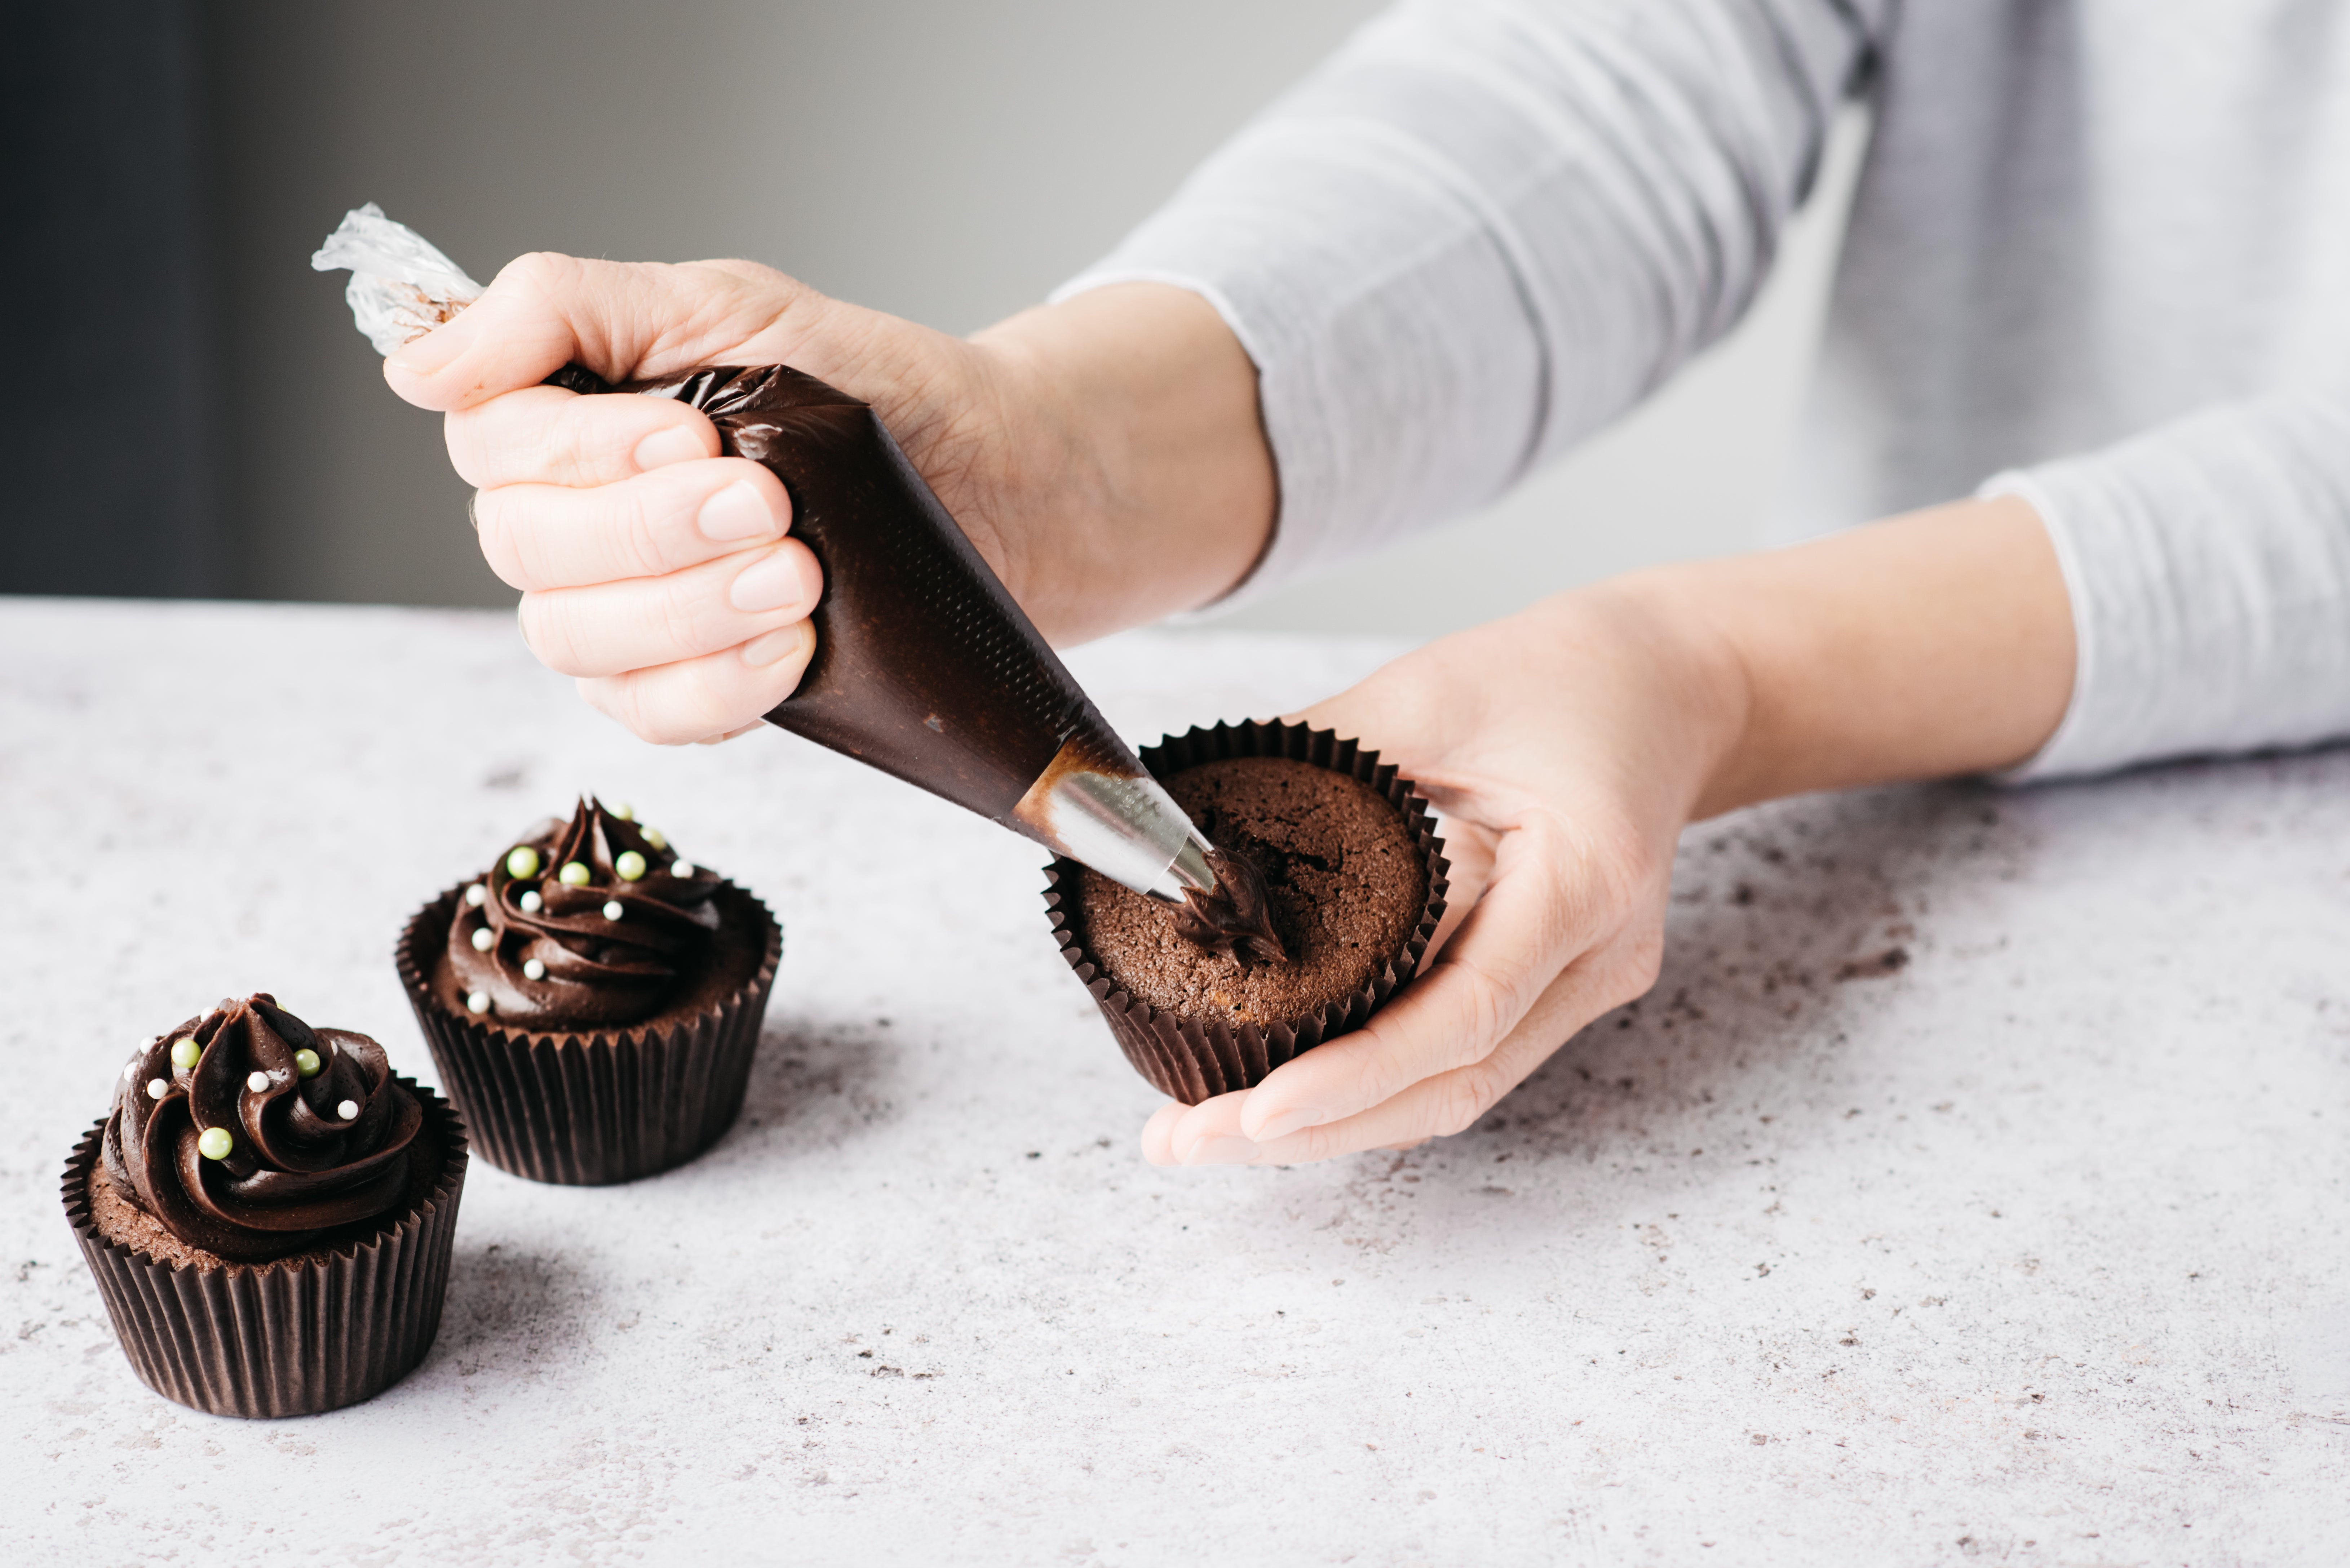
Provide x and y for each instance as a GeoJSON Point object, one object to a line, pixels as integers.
{"type": "Point", "coordinates": [1355, 883]}
{"type": "Point", "coordinates": [267, 1211]}
{"type": "Point", "coordinates": [594, 1003]}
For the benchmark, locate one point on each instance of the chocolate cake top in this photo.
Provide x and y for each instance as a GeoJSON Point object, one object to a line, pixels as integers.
{"type": "Point", "coordinates": [1344, 885]}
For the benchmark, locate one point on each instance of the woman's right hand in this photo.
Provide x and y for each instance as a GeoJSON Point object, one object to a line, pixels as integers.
{"type": "Point", "coordinates": [1102, 454]}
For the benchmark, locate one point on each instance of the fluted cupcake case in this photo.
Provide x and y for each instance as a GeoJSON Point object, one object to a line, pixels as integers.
{"type": "Point", "coordinates": [592, 1108]}
{"type": "Point", "coordinates": [289, 1337]}
{"type": "Point", "coordinates": [1191, 1062]}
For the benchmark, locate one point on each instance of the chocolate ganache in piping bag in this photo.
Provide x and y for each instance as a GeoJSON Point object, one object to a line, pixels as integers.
{"type": "Point", "coordinates": [924, 666]}
{"type": "Point", "coordinates": [249, 1133]}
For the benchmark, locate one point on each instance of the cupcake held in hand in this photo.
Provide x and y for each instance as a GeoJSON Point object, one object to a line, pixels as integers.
{"type": "Point", "coordinates": [594, 1002]}
{"type": "Point", "coordinates": [268, 1213]}
{"type": "Point", "coordinates": [1354, 879]}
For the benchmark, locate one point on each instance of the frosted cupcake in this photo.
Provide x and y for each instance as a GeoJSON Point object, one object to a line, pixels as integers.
{"type": "Point", "coordinates": [593, 1003]}
{"type": "Point", "coordinates": [269, 1211]}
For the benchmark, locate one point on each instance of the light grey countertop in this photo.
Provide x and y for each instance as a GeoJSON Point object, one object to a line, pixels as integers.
{"type": "Point", "coordinates": [2030, 1250]}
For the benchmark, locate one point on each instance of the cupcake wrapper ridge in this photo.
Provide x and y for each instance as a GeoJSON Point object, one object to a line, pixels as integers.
{"type": "Point", "coordinates": [1194, 1062]}
{"type": "Point", "coordinates": [285, 1338]}
{"type": "Point", "coordinates": [591, 1108]}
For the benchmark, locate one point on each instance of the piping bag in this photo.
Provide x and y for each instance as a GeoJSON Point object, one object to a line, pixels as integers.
{"type": "Point", "coordinates": [924, 665]}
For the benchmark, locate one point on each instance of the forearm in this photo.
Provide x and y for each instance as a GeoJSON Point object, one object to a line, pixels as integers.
{"type": "Point", "coordinates": [1153, 486]}
{"type": "Point", "coordinates": [1933, 644]}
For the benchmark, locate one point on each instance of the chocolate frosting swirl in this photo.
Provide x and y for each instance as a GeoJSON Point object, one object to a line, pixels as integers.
{"type": "Point", "coordinates": [594, 968]}
{"type": "Point", "coordinates": [295, 1167]}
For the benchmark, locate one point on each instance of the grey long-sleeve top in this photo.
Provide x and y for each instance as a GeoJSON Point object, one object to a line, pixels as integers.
{"type": "Point", "coordinates": [2099, 256]}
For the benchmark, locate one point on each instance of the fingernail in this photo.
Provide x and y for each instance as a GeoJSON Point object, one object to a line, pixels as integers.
{"type": "Point", "coordinates": [431, 353]}
{"type": "Point", "coordinates": [771, 582]}
{"type": "Point", "coordinates": [762, 651]}
{"type": "Point", "coordinates": [671, 444]}
{"type": "Point", "coordinates": [1288, 1122]}
{"type": "Point", "coordinates": [737, 512]}
{"type": "Point", "coordinates": [1225, 1150]}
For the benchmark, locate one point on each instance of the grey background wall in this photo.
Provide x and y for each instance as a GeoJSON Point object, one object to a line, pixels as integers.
{"type": "Point", "coordinates": [949, 162]}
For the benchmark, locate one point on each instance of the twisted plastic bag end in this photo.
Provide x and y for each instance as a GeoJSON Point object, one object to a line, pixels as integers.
{"type": "Point", "coordinates": [401, 286]}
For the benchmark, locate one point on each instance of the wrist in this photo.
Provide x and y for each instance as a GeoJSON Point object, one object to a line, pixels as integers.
{"type": "Point", "coordinates": [1145, 483]}
{"type": "Point", "coordinates": [1687, 690]}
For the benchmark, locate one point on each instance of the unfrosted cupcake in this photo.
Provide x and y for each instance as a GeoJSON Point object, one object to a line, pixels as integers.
{"type": "Point", "coordinates": [269, 1211]}
{"type": "Point", "coordinates": [593, 1003]}
{"type": "Point", "coordinates": [1355, 882]}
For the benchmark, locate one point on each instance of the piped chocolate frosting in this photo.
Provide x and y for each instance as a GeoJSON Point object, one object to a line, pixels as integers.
{"type": "Point", "coordinates": [599, 946]}
{"type": "Point", "coordinates": [1233, 917]}
{"type": "Point", "coordinates": [234, 1148]}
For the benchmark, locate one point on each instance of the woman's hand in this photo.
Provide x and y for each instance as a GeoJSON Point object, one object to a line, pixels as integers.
{"type": "Point", "coordinates": [1104, 456]}
{"type": "Point", "coordinates": [1567, 747]}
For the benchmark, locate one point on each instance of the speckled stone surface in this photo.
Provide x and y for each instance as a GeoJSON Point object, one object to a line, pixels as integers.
{"type": "Point", "coordinates": [2026, 1246]}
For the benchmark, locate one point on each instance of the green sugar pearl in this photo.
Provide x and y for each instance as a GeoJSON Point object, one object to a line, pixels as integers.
{"type": "Point", "coordinates": [521, 860]}
{"type": "Point", "coordinates": [306, 1064]}
{"type": "Point", "coordinates": [214, 1143]}
{"type": "Point", "coordinates": [630, 865]}
{"type": "Point", "coordinates": [655, 836]}
{"type": "Point", "coordinates": [184, 1052]}
{"type": "Point", "coordinates": [574, 874]}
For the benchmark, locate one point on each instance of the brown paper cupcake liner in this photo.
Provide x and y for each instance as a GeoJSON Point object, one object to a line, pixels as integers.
{"type": "Point", "coordinates": [590, 1108]}
{"type": "Point", "coordinates": [1192, 1062]}
{"type": "Point", "coordinates": [283, 1338]}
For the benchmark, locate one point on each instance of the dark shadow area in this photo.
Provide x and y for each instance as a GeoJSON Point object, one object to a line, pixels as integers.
{"type": "Point", "coordinates": [108, 415]}
{"type": "Point", "coordinates": [817, 1084]}
{"type": "Point", "coordinates": [509, 1311]}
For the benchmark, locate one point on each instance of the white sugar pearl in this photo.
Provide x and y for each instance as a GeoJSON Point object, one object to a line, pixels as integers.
{"type": "Point", "coordinates": [157, 1088]}
{"type": "Point", "coordinates": [680, 868]}
{"type": "Point", "coordinates": [485, 940]}
{"type": "Point", "coordinates": [654, 837]}
{"type": "Point", "coordinates": [476, 896]}
{"type": "Point", "coordinates": [530, 902]}
{"type": "Point", "coordinates": [348, 1110]}
{"type": "Point", "coordinates": [613, 910]}
{"type": "Point", "coordinates": [478, 1002]}
{"type": "Point", "coordinates": [257, 1082]}
{"type": "Point", "coordinates": [533, 970]}
{"type": "Point", "coordinates": [129, 1071]}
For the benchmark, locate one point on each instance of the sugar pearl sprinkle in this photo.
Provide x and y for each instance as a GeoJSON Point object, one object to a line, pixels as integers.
{"type": "Point", "coordinates": [257, 1082]}
{"type": "Point", "coordinates": [129, 1070]}
{"type": "Point", "coordinates": [681, 869]}
{"type": "Point", "coordinates": [476, 896]}
{"type": "Point", "coordinates": [574, 874]}
{"type": "Point", "coordinates": [157, 1088]}
{"type": "Point", "coordinates": [521, 860]}
{"type": "Point", "coordinates": [613, 910]}
{"type": "Point", "coordinates": [624, 811]}
{"type": "Point", "coordinates": [533, 970]}
{"type": "Point", "coordinates": [654, 837]}
{"type": "Point", "coordinates": [485, 940]}
{"type": "Point", "coordinates": [630, 865]}
{"type": "Point", "coordinates": [306, 1062]}
{"type": "Point", "coordinates": [184, 1050]}
{"type": "Point", "coordinates": [479, 1002]}
{"type": "Point", "coordinates": [214, 1143]}
{"type": "Point", "coordinates": [348, 1110]}
{"type": "Point", "coordinates": [530, 902]}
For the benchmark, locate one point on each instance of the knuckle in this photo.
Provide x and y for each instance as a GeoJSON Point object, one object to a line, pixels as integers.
{"type": "Point", "coordinates": [635, 527]}
{"type": "Point", "coordinates": [1461, 1097]}
{"type": "Point", "coordinates": [550, 630]}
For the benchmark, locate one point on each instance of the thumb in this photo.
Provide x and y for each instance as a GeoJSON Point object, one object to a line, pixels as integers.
{"type": "Point", "coordinates": [619, 319]}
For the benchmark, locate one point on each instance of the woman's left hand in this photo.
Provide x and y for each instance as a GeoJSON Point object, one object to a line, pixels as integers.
{"type": "Point", "coordinates": [1565, 748]}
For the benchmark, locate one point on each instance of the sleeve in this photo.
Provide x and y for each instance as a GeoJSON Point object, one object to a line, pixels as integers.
{"type": "Point", "coordinates": [1485, 228]}
{"type": "Point", "coordinates": [2209, 566]}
